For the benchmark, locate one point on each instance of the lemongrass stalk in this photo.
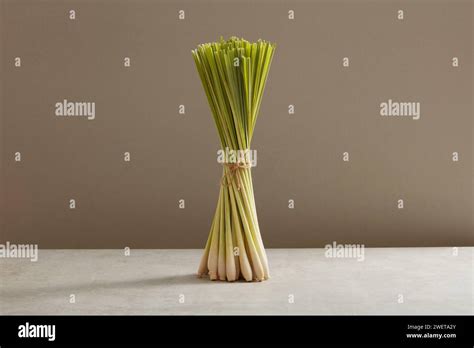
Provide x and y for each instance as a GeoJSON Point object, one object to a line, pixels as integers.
{"type": "Point", "coordinates": [203, 265]}
{"type": "Point", "coordinates": [203, 269]}
{"type": "Point", "coordinates": [214, 252]}
{"type": "Point", "coordinates": [251, 212]}
{"type": "Point", "coordinates": [245, 267]}
{"type": "Point", "coordinates": [258, 234]}
{"type": "Point", "coordinates": [221, 266]}
{"type": "Point", "coordinates": [256, 263]}
{"type": "Point", "coordinates": [235, 249]}
{"type": "Point", "coordinates": [231, 271]}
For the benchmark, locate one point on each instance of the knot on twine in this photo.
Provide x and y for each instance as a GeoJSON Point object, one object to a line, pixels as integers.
{"type": "Point", "coordinates": [233, 168]}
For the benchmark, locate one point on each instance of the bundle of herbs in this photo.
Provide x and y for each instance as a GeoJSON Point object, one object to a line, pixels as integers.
{"type": "Point", "coordinates": [233, 74]}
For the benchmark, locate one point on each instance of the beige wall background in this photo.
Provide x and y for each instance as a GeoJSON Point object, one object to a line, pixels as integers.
{"type": "Point", "coordinates": [173, 156]}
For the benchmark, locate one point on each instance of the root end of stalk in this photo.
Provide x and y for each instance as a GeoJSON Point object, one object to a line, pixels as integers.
{"type": "Point", "coordinates": [216, 277]}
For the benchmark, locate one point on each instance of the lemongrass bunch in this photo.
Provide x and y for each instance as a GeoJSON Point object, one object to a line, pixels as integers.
{"type": "Point", "coordinates": [233, 74]}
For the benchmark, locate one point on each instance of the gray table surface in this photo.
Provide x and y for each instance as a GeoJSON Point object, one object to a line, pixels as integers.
{"type": "Point", "coordinates": [304, 281]}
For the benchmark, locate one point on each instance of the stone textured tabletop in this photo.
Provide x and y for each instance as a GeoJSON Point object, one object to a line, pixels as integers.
{"type": "Point", "coordinates": [303, 281]}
